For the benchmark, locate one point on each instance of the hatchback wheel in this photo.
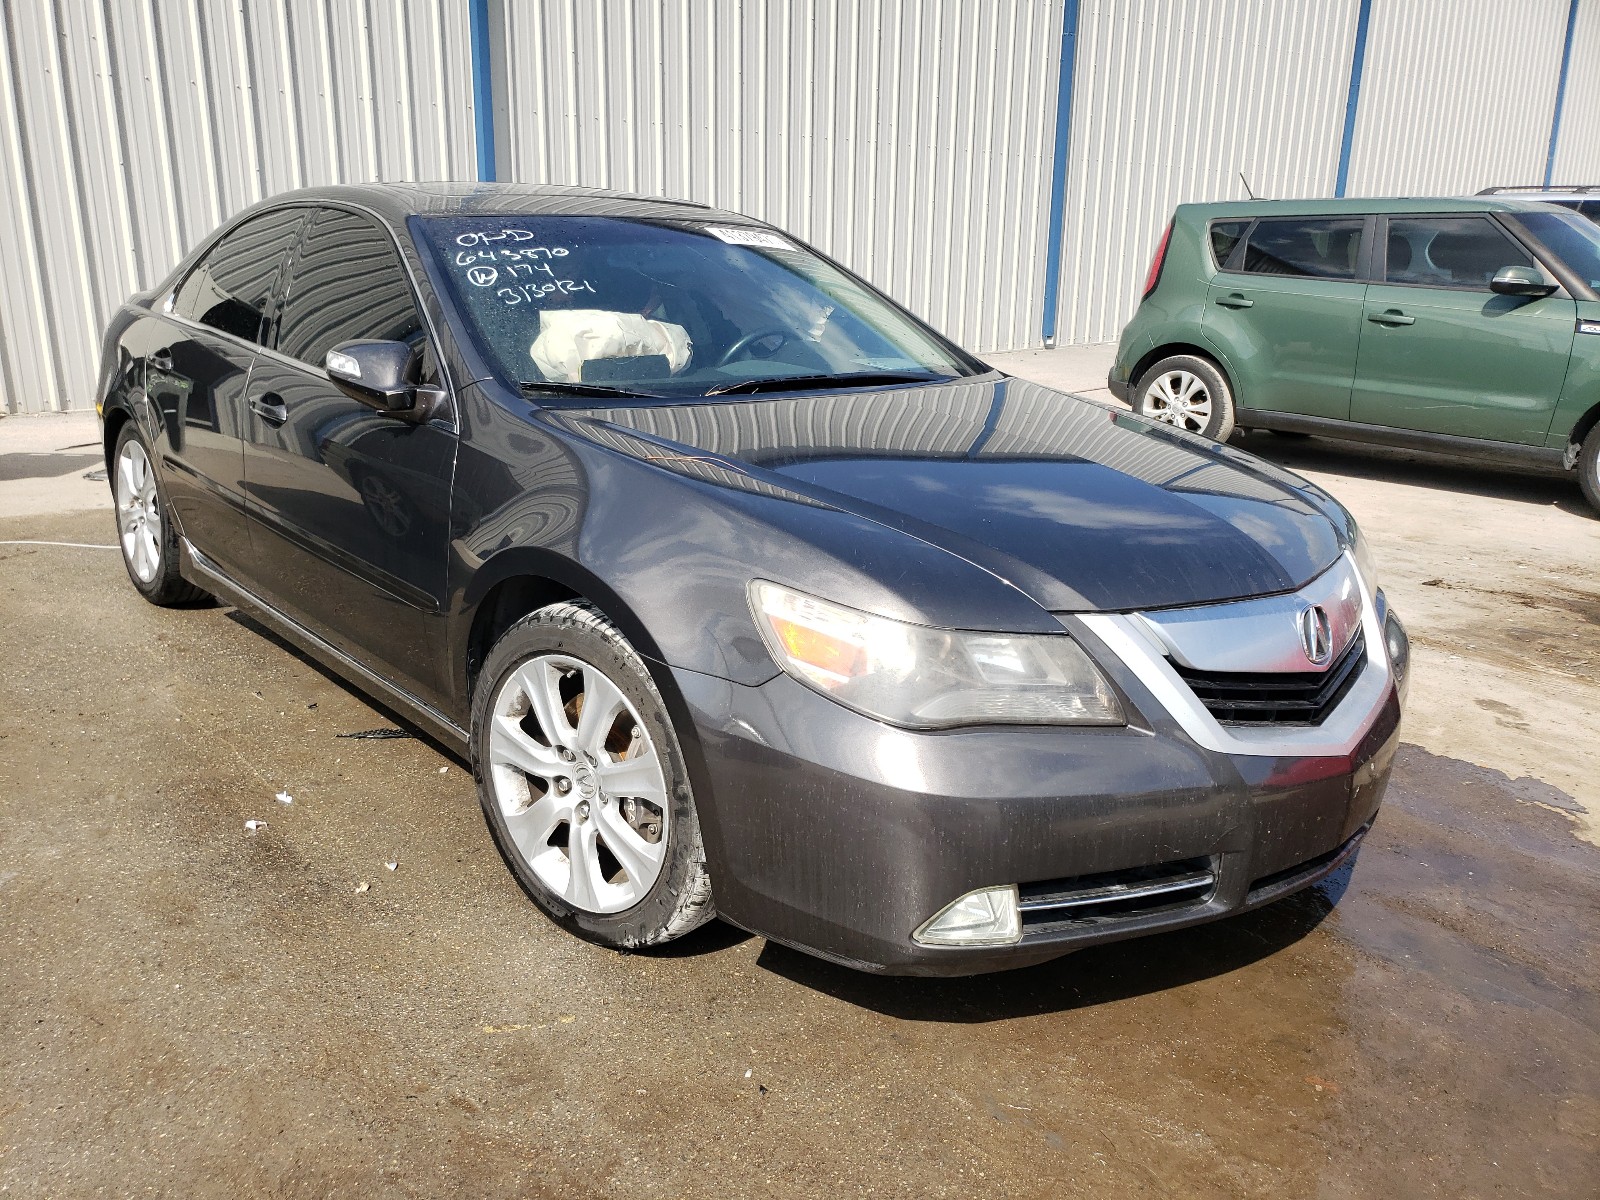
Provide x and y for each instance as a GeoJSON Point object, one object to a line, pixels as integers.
{"type": "Point", "coordinates": [1589, 468]}
{"type": "Point", "coordinates": [583, 783]}
{"type": "Point", "coordinates": [149, 541]}
{"type": "Point", "coordinates": [1188, 392]}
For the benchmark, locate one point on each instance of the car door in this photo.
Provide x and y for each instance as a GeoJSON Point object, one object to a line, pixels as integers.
{"type": "Point", "coordinates": [1285, 312]}
{"type": "Point", "coordinates": [196, 374]}
{"type": "Point", "coordinates": [1442, 353]}
{"type": "Point", "coordinates": [351, 506]}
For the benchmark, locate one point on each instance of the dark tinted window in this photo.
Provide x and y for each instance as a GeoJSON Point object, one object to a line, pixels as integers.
{"type": "Point", "coordinates": [1225, 236]}
{"type": "Point", "coordinates": [346, 283]}
{"type": "Point", "coordinates": [1573, 239]}
{"type": "Point", "coordinates": [231, 287]}
{"type": "Point", "coordinates": [1449, 252]}
{"type": "Point", "coordinates": [1316, 247]}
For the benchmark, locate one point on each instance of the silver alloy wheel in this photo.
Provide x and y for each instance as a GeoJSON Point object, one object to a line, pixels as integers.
{"type": "Point", "coordinates": [138, 511]}
{"type": "Point", "coordinates": [579, 782]}
{"type": "Point", "coordinates": [1179, 398]}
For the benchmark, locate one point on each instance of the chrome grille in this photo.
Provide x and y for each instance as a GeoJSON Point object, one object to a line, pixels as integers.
{"type": "Point", "coordinates": [1268, 698]}
{"type": "Point", "coordinates": [1086, 899]}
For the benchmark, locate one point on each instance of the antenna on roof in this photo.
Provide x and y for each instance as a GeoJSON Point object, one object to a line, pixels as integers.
{"type": "Point", "coordinates": [1248, 190]}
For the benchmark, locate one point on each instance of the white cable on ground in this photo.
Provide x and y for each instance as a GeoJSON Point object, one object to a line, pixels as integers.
{"type": "Point", "coordinates": [74, 545]}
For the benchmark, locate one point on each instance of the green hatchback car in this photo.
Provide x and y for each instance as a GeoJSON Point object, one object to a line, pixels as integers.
{"type": "Point", "coordinates": [1466, 326]}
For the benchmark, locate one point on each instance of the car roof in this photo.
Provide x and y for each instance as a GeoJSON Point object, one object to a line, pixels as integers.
{"type": "Point", "coordinates": [1346, 206]}
{"type": "Point", "coordinates": [397, 201]}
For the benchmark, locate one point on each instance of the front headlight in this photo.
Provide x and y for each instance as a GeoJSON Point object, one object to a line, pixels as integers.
{"type": "Point", "coordinates": [925, 678]}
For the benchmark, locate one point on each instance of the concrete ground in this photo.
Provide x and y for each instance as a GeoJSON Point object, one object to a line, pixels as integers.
{"type": "Point", "coordinates": [190, 1008]}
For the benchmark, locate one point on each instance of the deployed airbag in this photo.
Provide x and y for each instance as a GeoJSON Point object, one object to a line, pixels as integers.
{"type": "Point", "coordinates": [569, 337]}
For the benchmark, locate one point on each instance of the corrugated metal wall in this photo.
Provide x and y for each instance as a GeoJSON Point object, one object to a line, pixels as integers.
{"type": "Point", "coordinates": [1457, 96]}
{"type": "Point", "coordinates": [130, 128]}
{"type": "Point", "coordinates": [1172, 100]}
{"type": "Point", "coordinates": [910, 139]}
{"type": "Point", "coordinates": [1578, 148]}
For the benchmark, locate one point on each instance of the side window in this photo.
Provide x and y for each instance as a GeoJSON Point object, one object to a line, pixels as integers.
{"type": "Point", "coordinates": [1312, 247]}
{"type": "Point", "coordinates": [348, 283]}
{"type": "Point", "coordinates": [1449, 252]}
{"type": "Point", "coordinates": [1225, 236]}
{"type": "Point", "coordinates": [231, 287]}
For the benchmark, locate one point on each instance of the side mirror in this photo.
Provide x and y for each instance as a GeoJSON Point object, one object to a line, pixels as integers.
{"type": "Point", "coordinates": [1521, 281]}
{"type": "Point", "coordinates": [375, 374]}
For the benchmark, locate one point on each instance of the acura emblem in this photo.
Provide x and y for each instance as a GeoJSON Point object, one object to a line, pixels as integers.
{"type": "Point", "coordinates": [1316, 635]}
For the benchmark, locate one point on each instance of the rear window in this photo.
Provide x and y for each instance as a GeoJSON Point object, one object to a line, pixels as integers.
{"type": "Point", "coordinates": [230, 288]}
{"type": "Point", "coordinates": [1225, 236]}
{"type": "Point", "coordinates": [1310, 247]}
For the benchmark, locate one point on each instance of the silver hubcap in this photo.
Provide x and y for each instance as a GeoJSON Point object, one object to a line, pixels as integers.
{"type": "Point", "coordinates": [579, 783]}
{"type": "Point", "coordinates": [138, 512]}
{"type": "Point", "coordinates": [1179, 398]}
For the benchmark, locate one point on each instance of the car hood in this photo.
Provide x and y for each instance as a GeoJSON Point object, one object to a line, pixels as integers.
{"type": "Point", "coordinates": [1083, 506]}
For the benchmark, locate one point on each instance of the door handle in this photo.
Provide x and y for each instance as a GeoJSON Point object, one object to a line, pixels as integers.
{"type": "Point", "coordinates": [1235, 301]}
{"type": "Point", "coordinates": [1393, 317]}
{"type": "Point", "coordinates": [270, 408]}
{"type": "Point", "coordinates": [161, 360]}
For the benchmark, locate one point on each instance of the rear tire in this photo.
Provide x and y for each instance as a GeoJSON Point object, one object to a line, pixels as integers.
{"type": "Point", "coordinates": [1188, 392]}
{"type": "Point", "coordinates": [594, 817]}
{"type": "Point", "coordinates": [1589, 468]}
{"type": "Point", "coordinates": [145, 532]}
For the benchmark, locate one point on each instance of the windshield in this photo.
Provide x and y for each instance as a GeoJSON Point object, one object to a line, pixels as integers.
{"type": "Point", "coordinates": [1573, 239]}
{"type": "Point", "coordinates": [622, 306]}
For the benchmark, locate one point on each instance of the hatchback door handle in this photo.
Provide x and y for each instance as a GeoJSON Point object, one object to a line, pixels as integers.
{"type": "Point", "coordinates": [161, 360]}
{"type": "Point", "coordinates": [1393, 317]}
{"type": "Point", "coordinates": [1235, 301]}
{"type": "Point", "coordinates": [270, 408]}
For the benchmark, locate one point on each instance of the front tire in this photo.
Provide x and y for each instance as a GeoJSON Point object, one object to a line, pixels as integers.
{"type": "Point", "coordinates": [1189, 393]}
{"type": "Point", "coordinates": [146, 535]}
{"type": "Point", "coordinates": [583, 782]}
{"type": "Point", "coordinates": [1589, 468]}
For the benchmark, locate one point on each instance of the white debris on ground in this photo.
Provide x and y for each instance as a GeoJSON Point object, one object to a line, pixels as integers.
{"type": "Point", "coordinates": [363, 887]}
{"type": "Point", "coordinates": [252, 826]}
{"type": "Point", "coordinates": [285, 798]}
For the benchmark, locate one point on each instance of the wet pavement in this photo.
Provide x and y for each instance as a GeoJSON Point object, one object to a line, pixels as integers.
{"type": "Point", "coordinates": [193, 1008]}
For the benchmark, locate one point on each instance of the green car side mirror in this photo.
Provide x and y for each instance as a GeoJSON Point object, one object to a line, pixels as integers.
{"type": "Point", "coordinates": [1521, 281]}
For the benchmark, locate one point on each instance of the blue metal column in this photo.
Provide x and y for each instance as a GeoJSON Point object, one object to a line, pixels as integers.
{"type": "Point", "coordinates": [1561, 94]}
{"type": "Point", "coordinates": [1358, 62]}
{"type": "Point", "coordinates": [482, 87]}
{"type": "Point", "coordinates": [1058, 184]}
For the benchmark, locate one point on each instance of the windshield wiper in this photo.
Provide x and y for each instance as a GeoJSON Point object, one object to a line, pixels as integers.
{"type": "Point", "coordinates": [810, 383]}
{"type": "Point", "coordinates": [582, 389]}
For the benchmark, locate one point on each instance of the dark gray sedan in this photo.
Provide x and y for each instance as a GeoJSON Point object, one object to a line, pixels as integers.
{"type": "Point", "coordinates": [748, 594]}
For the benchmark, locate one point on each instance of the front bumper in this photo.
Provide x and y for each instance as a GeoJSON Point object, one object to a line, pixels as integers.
{"type": "Point", "coordinates": [840, 835]}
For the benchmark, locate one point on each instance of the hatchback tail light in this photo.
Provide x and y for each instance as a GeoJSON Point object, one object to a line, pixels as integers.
{"type": "Point", "coordinates": [1156, 263]}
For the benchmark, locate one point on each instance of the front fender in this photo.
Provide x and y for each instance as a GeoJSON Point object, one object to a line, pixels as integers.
{"type": "Point", "coordinates": [1580, 393]}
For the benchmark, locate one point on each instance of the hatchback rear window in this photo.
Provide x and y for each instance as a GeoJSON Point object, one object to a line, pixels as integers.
{"type": "Point", "coordinates": [1225, 236]}
{"type": "Point", "coordinates": [1314, 247]}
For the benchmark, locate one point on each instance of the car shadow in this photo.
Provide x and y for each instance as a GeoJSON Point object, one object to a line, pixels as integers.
{"type": "Point", "coordinates": [1098, 975]}
{"type": "Point", "coordinates": [395, 716]}
{"type": "Point", "coordinates": [1544, 486]}
{"type": "Point", "coordinates": [45, 466]}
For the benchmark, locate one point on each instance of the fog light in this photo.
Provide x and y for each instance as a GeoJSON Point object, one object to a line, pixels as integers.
{"type": "Point", "coordinates": [1399, 647]}
{"type": "Point", "coordinates": [986, 917]}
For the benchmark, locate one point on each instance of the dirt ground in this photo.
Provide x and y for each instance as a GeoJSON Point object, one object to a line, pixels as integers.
{"type": "Point", "coordinates": [191, 1008]}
